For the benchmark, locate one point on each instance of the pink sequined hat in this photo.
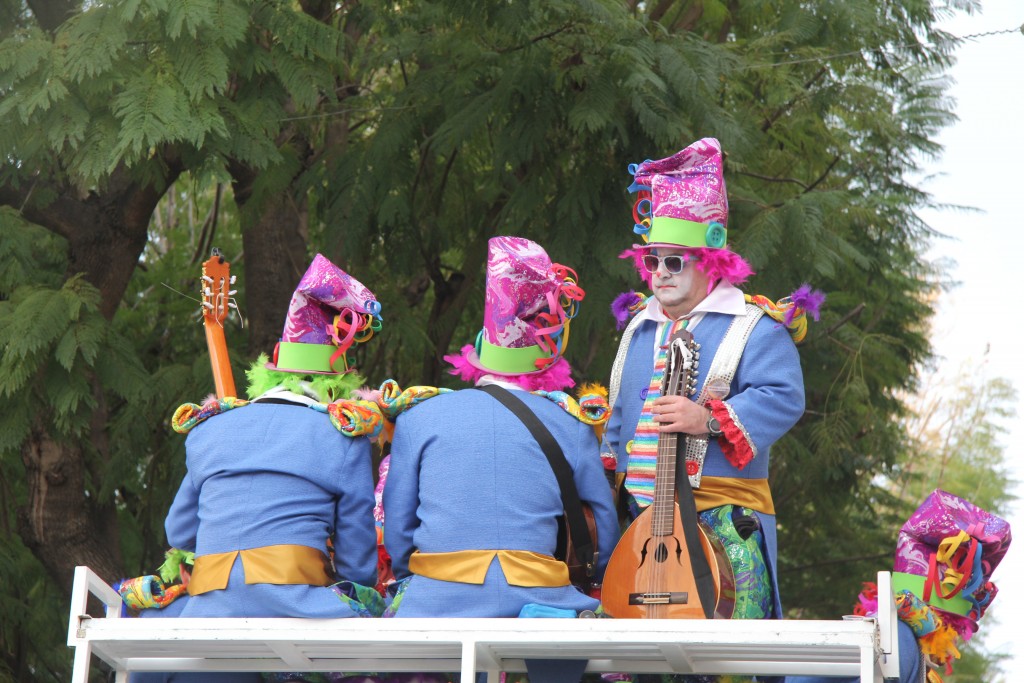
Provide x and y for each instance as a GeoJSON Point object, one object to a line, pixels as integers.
{"type": "Point", "coordinates": [529, 304]}
{"type": "Point", "coordinates": [330, 310]}
{"type": "Point", "coordinates": [681, 200]}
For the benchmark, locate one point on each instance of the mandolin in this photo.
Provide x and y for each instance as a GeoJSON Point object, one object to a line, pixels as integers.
{"type": "Point", "coordinates": [215, 286]}
{"type": "Point", "coordinates": [650, 574]}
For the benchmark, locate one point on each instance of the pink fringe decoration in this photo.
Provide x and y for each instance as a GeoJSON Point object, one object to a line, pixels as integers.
{"type": "Point", "coordinates": [558, 377]}
{"type": "Point", "coordinates": [722, 264]}
{"type": "Point", "coordinates": [637, 254]}
{"type": "Point", "coordinates": [211, 399]}
{"type": "Point", "coordinates": [367, 394]}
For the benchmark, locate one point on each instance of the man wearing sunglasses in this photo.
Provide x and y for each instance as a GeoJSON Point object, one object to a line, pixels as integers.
{"type": "Point", "coordinates": [749, 386]}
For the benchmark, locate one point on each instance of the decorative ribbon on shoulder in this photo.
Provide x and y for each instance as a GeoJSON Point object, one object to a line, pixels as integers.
{"type": "Point", "coordinates": [592, 409]}
{"type": "Point", "coordinates": [394, 400]}
{"type": "Point", "coordinates": [188, 415]}
{"type": "Point", "coordinates": [792, 310]}
{"type": "Point", "coordinates": [355, 417]}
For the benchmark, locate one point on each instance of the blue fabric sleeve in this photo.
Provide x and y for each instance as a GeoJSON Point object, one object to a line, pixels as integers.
{"type": "Point", "coordinates": [355, 538]}
{"type": "Point", "coordinates": [182, 522]}
{"type": "Point", "coordinates": [593, 489]}
{"type": "Point", "coordinates": [769, 387]}
{"type": "Point", "coordinates": [400, 501]}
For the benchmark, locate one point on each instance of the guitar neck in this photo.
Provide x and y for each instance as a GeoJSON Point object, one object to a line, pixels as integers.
{"type": "Point", "coordinates": [663, 506]}
{"type": "Point", "coordinates": [215, 285]}
{"type": "Point", "coordinates": [223, 379]}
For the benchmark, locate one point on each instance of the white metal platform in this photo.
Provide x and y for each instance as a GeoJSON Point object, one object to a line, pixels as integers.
{"type": "Point", "coordinates": [856, 647]}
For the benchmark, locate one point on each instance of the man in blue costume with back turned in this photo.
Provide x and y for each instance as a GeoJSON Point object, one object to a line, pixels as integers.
{"type": "Point", "coordinates": [277, 502]}
{"type": "Point", "coordinates": [471, 504]}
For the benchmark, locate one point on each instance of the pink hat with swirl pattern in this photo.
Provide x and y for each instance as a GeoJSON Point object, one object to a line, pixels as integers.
{"type": "Point", "coordinates": [528, 307]}
{"type": "Point", "coordinates": [329, 312]}
{"type": "Point", "coordinates": [682, 199]}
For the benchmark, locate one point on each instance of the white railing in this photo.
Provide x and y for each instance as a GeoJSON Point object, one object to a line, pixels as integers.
{"type": "Point", "coordinates": [851, 647]}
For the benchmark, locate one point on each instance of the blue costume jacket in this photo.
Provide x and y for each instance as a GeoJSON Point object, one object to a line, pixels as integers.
{"type": "Point", "coordinates": [466, 474]}
{"type": "Point", "coordinates": [266, 475]}
{"type": "Point", "coordinates": [766, 398]}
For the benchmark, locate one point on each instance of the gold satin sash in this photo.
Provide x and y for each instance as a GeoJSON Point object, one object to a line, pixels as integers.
{"type": "Point", "coordinates": [282, 565]}
{"type": "Point", "coordinates": [750, 493]}
{"type": "Point", "coordinates": [520, 567]}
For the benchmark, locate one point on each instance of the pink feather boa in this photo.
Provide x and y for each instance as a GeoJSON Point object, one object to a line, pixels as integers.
{"type": "Point", "coordinates": [558, 377]}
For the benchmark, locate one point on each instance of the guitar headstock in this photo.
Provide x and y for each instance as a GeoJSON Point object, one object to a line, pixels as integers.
{"type": "Point", "coordinates": [215, 286]}
{"type": "Point", "coordinates": [681, 361]}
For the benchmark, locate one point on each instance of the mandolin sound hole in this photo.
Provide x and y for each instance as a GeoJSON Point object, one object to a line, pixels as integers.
{"type": "Point", "coordinates": [660, 553]}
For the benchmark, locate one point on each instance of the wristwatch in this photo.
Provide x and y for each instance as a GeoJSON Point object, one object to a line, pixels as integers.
{"type": "Point", "coordinates": [714, 428]}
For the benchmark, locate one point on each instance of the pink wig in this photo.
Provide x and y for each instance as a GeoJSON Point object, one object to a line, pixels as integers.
{"type": "Point", "coordinates": [717, 264]}
{"type": "Point", "coordinates": [558, 377]}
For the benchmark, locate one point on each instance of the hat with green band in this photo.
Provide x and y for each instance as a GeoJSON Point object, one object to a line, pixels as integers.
{"type": "Point", "coordinates": [329, 312]}
{"type": "Point", "coordinates": [528, 307]}
{"type": "Point", "coordinates": [682, 199]}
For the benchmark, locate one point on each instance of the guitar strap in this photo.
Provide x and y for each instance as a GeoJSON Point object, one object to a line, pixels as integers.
{"type": "Point", "coordinates": [582, 543]}
{"type": "Point", "coordinates": [702, 576]}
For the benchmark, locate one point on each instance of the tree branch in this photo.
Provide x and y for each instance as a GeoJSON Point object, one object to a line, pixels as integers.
{"type": "Point", "coordinates": [771, 179]}
{"type": "Point", "coordinates": [52, 13]}
{"type": "Point", "coordinates": [823, 175]}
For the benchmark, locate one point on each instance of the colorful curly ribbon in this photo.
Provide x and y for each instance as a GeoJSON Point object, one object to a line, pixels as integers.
{"type": "Point", "coordinates": [962, 555]}
{"type": "Point", "coordinates": [642, 212]}
{"type": "Point", "coordinates": [935, 636]}
{"type": "Point", "coordinates": [394, 400]}
{"type": "Point", "coordinates": [188, 415]}
{"type": "Point", "coordinates": [355, 417]}
{"type": "Point", "coordinates": [592, 408]}
{"type": "Point", "coordinates": [552, 333]}
{"type": "Point", "coordinates": [783, 311]}
{"type": "Point", "coordinates": [145, 592]}
{"type": "Point", "coordinates": [351, 326]}
{"type": "Point", "coordinates": [350, 417]}
{"type": "Point", "coordinates": [592, 411]}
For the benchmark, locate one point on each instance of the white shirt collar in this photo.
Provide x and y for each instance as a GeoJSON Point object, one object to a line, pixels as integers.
{"type": "Point", "coordinates": [498, 381]}
{"type": "Point", "coordinates": [282, 393]}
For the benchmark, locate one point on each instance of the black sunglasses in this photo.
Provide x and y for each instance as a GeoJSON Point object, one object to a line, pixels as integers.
{"type": "Point", "coordinates": [673, 263]}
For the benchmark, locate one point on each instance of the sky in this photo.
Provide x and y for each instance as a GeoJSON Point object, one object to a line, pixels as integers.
{"type": "Point", "coordinates": [983, 166]}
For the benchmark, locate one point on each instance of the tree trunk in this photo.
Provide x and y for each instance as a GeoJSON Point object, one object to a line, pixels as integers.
{"type": "Point", "coordinates": [450, 295]}
{"type": "Point", "coordinates": [274, 238]}
{"type": "Point", "coordinates": [62, 523]}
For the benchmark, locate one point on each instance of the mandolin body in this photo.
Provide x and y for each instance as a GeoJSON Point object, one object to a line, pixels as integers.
{"type": "Point", "coordinates": [649, 575]}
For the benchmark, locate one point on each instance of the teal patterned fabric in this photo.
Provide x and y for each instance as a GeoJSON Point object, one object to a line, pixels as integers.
{"type": "Point", "coordinates": [753, 584]}
{"type": "Point", "coordinates": [363, 600]}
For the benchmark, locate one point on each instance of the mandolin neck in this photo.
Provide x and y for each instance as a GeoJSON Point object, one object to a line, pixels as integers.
{"type": "Point", "coordinates": [663, 507]}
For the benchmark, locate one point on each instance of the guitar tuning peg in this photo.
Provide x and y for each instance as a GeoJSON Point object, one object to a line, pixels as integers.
{"type": "Point", "coordinates": [232, 292]}
{"type": "Point", "coordinates": [207, 305]}
{"type": "Point", "coordinates": [234, 304]}
{"type": "Point", "coordinates": [207, 291]}
{"type": "Point", "coordinates": [207, 278]}
{"type": "Point", "coordinates": [232, 280]}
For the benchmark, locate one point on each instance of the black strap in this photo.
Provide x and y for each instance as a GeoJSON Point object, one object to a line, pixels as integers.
{"type": "Point", "coordinates": [688, 515]}
{"type": "Point", "coordinates": [586, 553]}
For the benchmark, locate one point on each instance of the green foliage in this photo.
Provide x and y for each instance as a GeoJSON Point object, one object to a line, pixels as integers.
{"type": "Point", "coordinates": [406, 136]}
